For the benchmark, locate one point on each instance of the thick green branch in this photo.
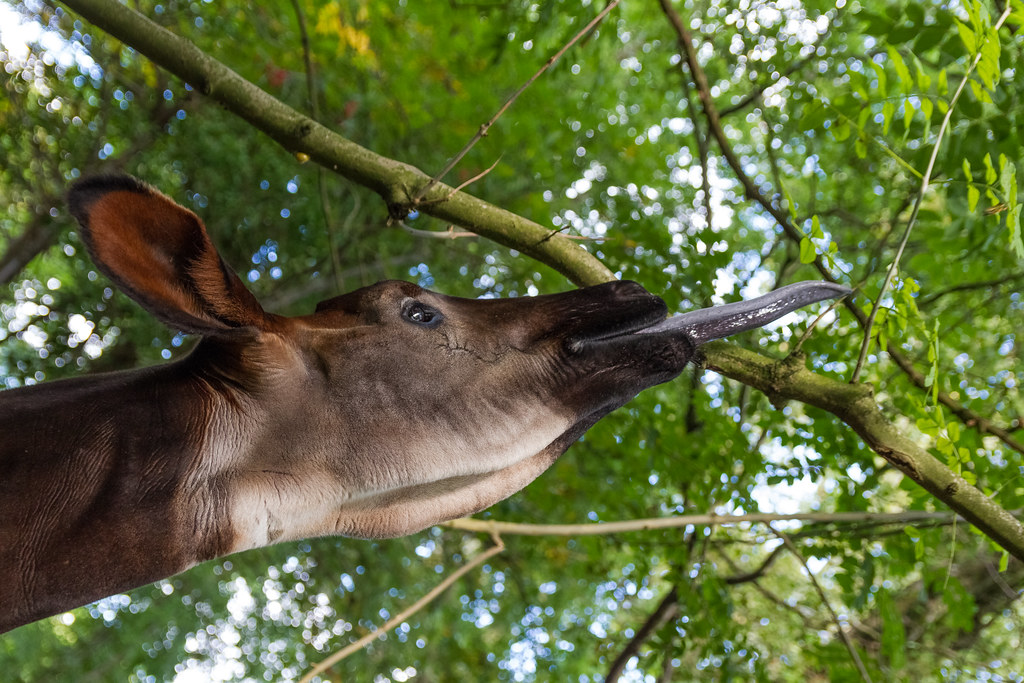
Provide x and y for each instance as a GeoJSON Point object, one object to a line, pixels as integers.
{"type": "Point", "coordinates": [855, 405]}
{"type": "Point", "coordinates": [396, 182]}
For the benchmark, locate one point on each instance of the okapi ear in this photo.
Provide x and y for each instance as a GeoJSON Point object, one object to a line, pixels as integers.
{"type": "Point", "coordinates": [160, 254]}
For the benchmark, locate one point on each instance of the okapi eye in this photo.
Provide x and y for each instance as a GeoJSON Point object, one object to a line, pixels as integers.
{"type": "Point", "coordinates": [421, 314]}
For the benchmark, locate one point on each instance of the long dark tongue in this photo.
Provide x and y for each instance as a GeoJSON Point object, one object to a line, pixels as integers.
{"type": "Point", "coordinates": [721, 321]}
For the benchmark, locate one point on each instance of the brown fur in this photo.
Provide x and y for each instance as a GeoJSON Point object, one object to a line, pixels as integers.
{"type": "Point", "coordinates": [363, 419]}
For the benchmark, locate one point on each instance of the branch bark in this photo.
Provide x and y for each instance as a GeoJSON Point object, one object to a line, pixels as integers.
{"type": "Point", "coordinates": [855, 405]}
{"type": "Point", "coordinates": [397, 183]}
{"type": "Point", "coordinates": [631, 525]}
{"type": "Point", "coordinates": [37, 237]}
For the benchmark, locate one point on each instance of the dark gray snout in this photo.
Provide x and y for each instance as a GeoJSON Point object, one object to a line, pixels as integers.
{"type": "Point", "coordinates": [722, 321]}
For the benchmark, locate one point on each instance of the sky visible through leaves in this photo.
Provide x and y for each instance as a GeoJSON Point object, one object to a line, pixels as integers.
{"type": "Point", "coordinates": [829, 114]}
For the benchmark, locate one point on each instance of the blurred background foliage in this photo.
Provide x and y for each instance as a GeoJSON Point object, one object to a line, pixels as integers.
{"type": "Point", "coordinates": [832, 109]}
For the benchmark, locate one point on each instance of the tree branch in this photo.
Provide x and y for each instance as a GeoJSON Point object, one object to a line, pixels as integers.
{"type": "Point", "coordinates": [968, 286]}
{"type": "Point", "coordinates": [35, 239]}
{"type": "Point", "coordinates": [963, 413]}
{"type": "Point", "coordinates": [850, 647]}
{"type": "Point", "coordinates": [667, 609]}
{"type": "Point", "coordinates": [43, 231]}
{"type": "Point", "coordinates": [396, 182]}
{"type": "Point", "coordinates": [757, 92]}
{"type": "Point", "coordinates": [604, 528]}
{"type": "Point", "coordinates": [756, 574]}
{"type": "Point", "coordinates": [321, 172]}
{"type": "Point", "coordinates": [750, 188]}
{"type": "Point", "coordinates": [406, 613]}
{"type": "Point", "coordinates": [855, 405]}
{"type": "Point", "coordinates": [482, 131]}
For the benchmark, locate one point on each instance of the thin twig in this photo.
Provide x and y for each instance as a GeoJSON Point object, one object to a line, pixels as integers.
{"type": "Point", "coordinates": [449, 234]}
{"type": "Point", "coordinates": [307, 56]}
{"type": "Point", "coordinates": [760, 90]}
{"type": "Point", "coordinates": [603, 528]}
{"type": "Point", "coordinates": [472, 180]}
{"type": "Point", "coordinates": [702, 151]}
{"type": "Point", "coordinates": [828, 605]}
{"type": "Point", "coordinates": [508, 103]}
{"type": "Point", "coordinates": [404, 615]}
{"type": "Point", "coordinates": [968, 286]}
{"type": "Point", "coordinates": [804, 614]}
{"type": "Point", "coordinates": [755, 574]}
{"type": "Point", "coordinates": [925, 181]}
{"type": "Point", "coordinates": [814, 323]}
{"type": "Point", "coordinates": [321, 177]}
{"type": "Point", "coordinates": [667, 609]}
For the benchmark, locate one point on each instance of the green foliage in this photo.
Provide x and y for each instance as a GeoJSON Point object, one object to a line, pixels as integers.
{"type": "Point", "coordinates": [605, 147]}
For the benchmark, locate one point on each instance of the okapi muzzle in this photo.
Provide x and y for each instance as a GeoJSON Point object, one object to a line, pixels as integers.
{"type": "Point", "coordinates": [385, 411]}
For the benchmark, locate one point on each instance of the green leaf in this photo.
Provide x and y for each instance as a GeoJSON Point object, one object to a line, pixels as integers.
{"type": "Point", "coordinates": [841, 130]}
{"type": "Point", "coordinates": [990, 171]}
{"type": "Point", "coordinates": [1008, 178]}
{"type": "Point", "coordinates": [967, 36]}
{"type": "Point", "coordinates": [1013, 223]}
{"type": "Point", "coordinates": [988, 65]}
{"type": "Point", "coordinates": [973, 195]}
{"type": "Point", "coordinates": [979, 92]}
{"type": "Point", "coordinates": [902, 72]}
{"type": "Point", "coordinates": [908, 113]}
{"type": "Point", "coordinates": [790, 202]}
{"type": "Point", "coordinates": [807, 252]}
{"type": "Point", "coordinates": [880, 73]}
{"type": "Point", "coordinates": [924, 81]}
{"type": "Point", "coordinates": [927, 426]}
{"type": "Point", "coordinates": [894, 636]}
{"type": "Point", "coordinates": [814, 116]}
{"type": "Point", "coordinates": [927, 107]}
{"type": "Point", "coordinates": [953, 429]}
{"type": "Point", "coordinates": [816, 231]}
{"type": "Point", "coordinates": [888, 110]}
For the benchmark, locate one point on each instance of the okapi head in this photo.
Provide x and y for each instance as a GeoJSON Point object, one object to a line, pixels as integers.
{"type": "Point", "coordinates": [387, 410]}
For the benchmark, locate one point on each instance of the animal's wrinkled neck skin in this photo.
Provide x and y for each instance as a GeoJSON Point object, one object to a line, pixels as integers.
{"type": "Point", "coordinates": [90, 470]}
{"type": "Point", "coordinates": [385, 411]}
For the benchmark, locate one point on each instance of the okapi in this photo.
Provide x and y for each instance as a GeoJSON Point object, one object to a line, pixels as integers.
{"type": "Point", "coordinates": [389, 409]}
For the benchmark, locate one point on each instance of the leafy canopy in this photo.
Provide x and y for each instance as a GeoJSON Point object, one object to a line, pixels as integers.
{"type": "Point", "coordinates": [829, 114]}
